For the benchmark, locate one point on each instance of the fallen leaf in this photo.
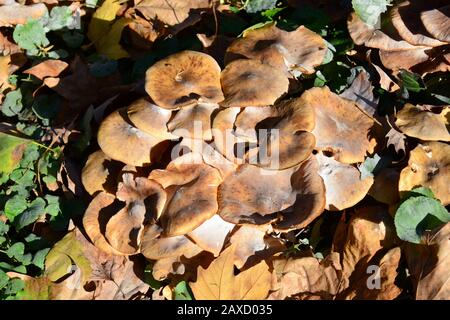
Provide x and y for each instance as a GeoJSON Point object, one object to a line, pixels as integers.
{"type": "Point", "coordinates": [48, 68]}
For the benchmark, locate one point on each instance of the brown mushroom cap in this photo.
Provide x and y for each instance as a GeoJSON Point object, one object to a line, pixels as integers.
{"type": "Point", "coordinates": [425, 125]}
{"type": "Point", "coordinates": [150, 118]}
{"type": "Point", "coordinates": [248, 119]}
{"type": "Point", "coordinates": [437, 22]}
{"type": "Point", "coordinates": [310, 197]}
{"type": "Point", "coordinates": [406, 19]}
{"type": "Point", "coordinates": [252, 83]}
{"type": "Point", "coordinates": [183, 79]}
{"type": "Point", "coordinates": [144, 200]}
{"type": "Point", "coordinates": [193, 188]}
{"type": "Point", "coordinates": [343, 185]}
{"type": "Point", "coordinates": [301, 49]}
{"type": "Point", "coordinates": [428, 166]}
{"type": "Point", "coordinates": [155, 247]}
{"type": "Point", "coordinates": [193, 122]}
{"type": "Point", "coordinates": [123, 142]}
{"type": "Point", "coordinates": [97, 214]}
{"type": "Point", "coordinates": [211, 234]}
{"type": "Point", "coordinates": [254, 195]}
{"type": "Point", "coordinates": [99, 173]}
{"type": "Point", "coordinates": [385, 186]}
{"type": "Point", "coordinates": [340, 126]}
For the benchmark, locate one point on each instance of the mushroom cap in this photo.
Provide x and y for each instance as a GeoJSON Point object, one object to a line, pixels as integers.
{"type": "Point", "coordinates": [254, 195]}
{"type": "Point", "coordinates": [301, 49]}
{"type": "Point", "coordinates": [363, 34]}
{"type": "Point", "coordinates": [252, 83]}
{"type": "Point", "coordinates": [97, 214]}
{"type": "Point", "coordinates": [99, 173]}
{"type": "Point", "coordinates": [406, 19]}
{"type": "Point", "coordinates": [123, 142]}
{"type": "Point", "coordinates": [183, 79]}
{"type": "Point", "coordinates": [150, 118]}
{"type": "Point", "coordinates": [422, 124]}
{"type": "Point", "coordinates": [343, 185]}
{"type": "Point", "coordinates": [428, 166]}
{"type": "Point", "coordinates": [437, 22]}
{"type": "Point", "coordinates": [155, 247]}
{"type": "Point", "coordinates": [193, 122]}
{"type": "Point", "coordinates": [248, 119]}
{"type": "Point", "coordinates": [192, 185]}
{"type": "Point", "coordinates": [144, 200]}
{"type": "Point", "coordinates": [310, 197]}
{"type": "Point", "coordinates": [340, 126]}
{"type": "Point", "coordinates": [385, 186]}
{"type": "Point", "coordinates": [211, 234]}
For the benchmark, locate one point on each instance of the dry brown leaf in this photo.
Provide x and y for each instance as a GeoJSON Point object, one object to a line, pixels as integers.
{"type": "Point", "coordinates": [218, 282]}
{"type": "Point", "coordinates": [48, 68]}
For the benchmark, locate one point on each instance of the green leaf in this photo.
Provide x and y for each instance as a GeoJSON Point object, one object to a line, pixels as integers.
{"type": "Point", "coordinates": [59, 260]}
{"type": "Point", "coordinates": [370, 10]}
{"type": "Point", "coordinates": [182, 291]}
{"type": "Point", "coordinates": [253, 6]}
{"type": "Point", "coordinates": [10, 267]}
{"type": "Point", "coordinates": [15, 206]}
{"type": "Point", "coordinates": [420, 191]}
{"type": "Point", "coordinates": [371, 166]}
{"type": "Point", "coordinates": [411, 81]}
{"type": "Point", "coordinates": [11, 151]}
{"type": "Point", "coordinates": [4, 228]}
{"type": "Point", "coordinates": [39, 258]}
{"type": "Point", "coordinates": [4, 279]}
{"type": "Point", "coordinates": [73, 39]}
{"type": "Point", "coordinates": [31, 36]}
{"type": "Point", "coordinates": [417, 215]}
{"type": "Point", "coordinates": [30, 215]}
{"type": "Point", "coordinates": [271, 13]}
{"type": "Point", "coordinates": [14, 286]}
{"type": "Point", "coordinates": [61, 17]}
{"type": "Point", "coordinates": [52, 208]}
{"type": "Point", "coordinates": [16, 250]}
{"type": "Point", "coordinates": [12, 104]}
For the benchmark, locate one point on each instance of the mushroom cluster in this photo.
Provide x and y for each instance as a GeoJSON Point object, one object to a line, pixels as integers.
{"type": "Point", "coordinates": [416, 36]}
{"type": "Point", "coordinates": [244, 162]}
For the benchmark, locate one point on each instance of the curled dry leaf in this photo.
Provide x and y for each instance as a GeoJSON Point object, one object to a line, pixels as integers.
{"type": "Point", "coordinates": [184, 79]}
{"type": "Point", "coordinates": [428, 166]}
{"type": "Point", "coordinates": [48, 68]}
{"type": "Point", "coordinates": [192, 188]}
{"type": "Point", "coordinates": [341, 127]}
{"type": "Point", "coordinates": [426, 125]}
{"type": "Point", "coordinates": [218, 282]}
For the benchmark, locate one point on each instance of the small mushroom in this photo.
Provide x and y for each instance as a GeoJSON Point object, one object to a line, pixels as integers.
{"type": "Point", "coordinates": [193, 122]}
{"type": "Point", "coordinates": [122, 141]}
{"type": "Point", "coordinates": [150, 118]}
{"type": "Point", "coordinates": [418, 122]}
{"type": "Point", "coordinates": [428, 166]}
{"type": "Point", "coordinates": [251, 83]}
{"type": "Point", "coordinates": [254, 195]}
{"type": "Point", "coordinates": [343, 185]}
{"type": "Point", "coordinates": [301, 49]}
{"type": "Point", "coordinates": [192, 187]}
{"type": "Point", "coordinates": [184, 79]}
{"type": "Point", "coordinates": [144, 201]}
{"type": "Point", "coordinates": [341, 128]}
{"type": "Point", "coordinates": [99, 173]}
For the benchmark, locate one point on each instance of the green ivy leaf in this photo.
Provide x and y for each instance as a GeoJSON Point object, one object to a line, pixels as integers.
{"type": "Point", "coordinates": [31, 214]}
{"type": "Point", "coordinates": [4, 228]}
{"type": "Point", "coordinates": [15, 206]}
{"type": "Point", "coordinates": [39, 258]}
{"type": "Point", "coordinates": [52, 207]}
{"type": "Point", "coordinates": [16, 250]}
{"type": "Point", "coordinates": [370, 10]}
{"type": "Point", "coordinates": [4, 279]}
{"type": "Point", "coordinates": [372, 165]}
{"type": "Point", "coordinates": [11, 151]}
{"type": "Point", "coordinates": [416, 215]}
{"type": "Point", "coordinates": [14, 286]}
{"type": "Point", "coordinates": [411, 81]}
{"type": "Point", "coordinates": [253, 6]}
{"type": "Point", "coordinates": [31, 37]}
{"type": "Point", "coordinates": [60, 18]}
{"type": "Point", "coordinates": [12, 104]}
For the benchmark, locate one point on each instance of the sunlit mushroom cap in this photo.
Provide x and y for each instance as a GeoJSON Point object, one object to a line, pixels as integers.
{"type": "Point", "coordinates": [192, 187]}
{"type": "Point", "coordinates": [122, 141]}
{"type": "Point", "coordinates": [343, 184]}
{"type": "Point", "coordinates": [100, 173]}
{"type": "Point", "coordinates": [251, 83]}
{"type": "Point", "coordinates": [340, 126]}
{"type": "Point", "coordinates": [150, 118]}
{"type": "Point", "coordinates": [428, 166]}
{"type": "Point", "coordinates": [301, 49]}
{"type": "Point", "coordinates": [423, 124]}
{"type": "Point", "coordinates": [183, 79]}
